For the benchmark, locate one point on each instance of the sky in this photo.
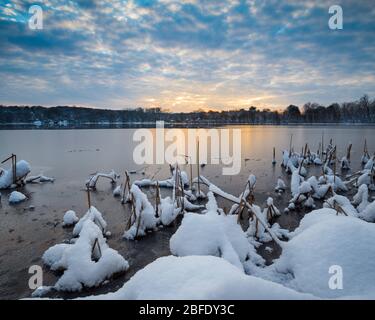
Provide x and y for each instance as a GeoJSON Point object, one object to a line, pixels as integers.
{"type": "Point", "coordinates": [186, 55]}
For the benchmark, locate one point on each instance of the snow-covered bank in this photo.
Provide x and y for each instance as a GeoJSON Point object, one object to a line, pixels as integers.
{"type": "Point", "coordinates": [322, 241]}
{"type": "Point", "coordinates": [198, 277]}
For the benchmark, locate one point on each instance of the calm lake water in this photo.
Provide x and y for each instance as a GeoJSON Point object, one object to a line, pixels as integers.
{"type": "Point", "coordinates": [70, 156]}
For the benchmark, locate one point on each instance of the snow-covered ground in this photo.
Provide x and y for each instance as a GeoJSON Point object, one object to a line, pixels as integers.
{"type": "Point", "coordinates": [198, 277]}
{"type": "Point", "coordinates": [324, 240]}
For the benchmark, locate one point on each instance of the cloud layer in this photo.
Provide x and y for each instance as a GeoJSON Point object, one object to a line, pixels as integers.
{"type": "Point", "coordinates": [187, 54]}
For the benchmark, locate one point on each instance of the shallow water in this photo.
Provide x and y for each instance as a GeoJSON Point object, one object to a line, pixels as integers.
{"type": "Point", "coordinates": [71, 156]}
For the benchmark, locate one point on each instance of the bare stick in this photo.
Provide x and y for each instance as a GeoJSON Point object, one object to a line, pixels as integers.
{"type": "Point", "coordinates": [348, 152]}
{"type": "Point", "coordinates": [96, 244]}
{"type": "Point", "coordinates": [157, 202]}
{"type": "Point", "coordinates": [88, 197]}
{"type": "Point", "coordinates": [199, 187]}
{"type": "Point", "coordinates": [290, 144]}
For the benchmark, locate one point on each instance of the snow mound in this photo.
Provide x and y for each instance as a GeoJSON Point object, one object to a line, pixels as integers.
{"type": "Point", "coordinates": [70, 218]}
{"type": "Point", "coordinates": [16, 197]}
{"type": "Point", "coordinates": [76, 260]}
{"type": "Point", "coordinates": [198, 278]}
{"type": "Point", "coordinates": [216, 235]}
{"type": "Point", "coordinates": [322, 240]}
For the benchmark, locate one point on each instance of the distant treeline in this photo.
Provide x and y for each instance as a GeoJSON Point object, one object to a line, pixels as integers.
{"type": "Point", "coordinates": [361, 111]}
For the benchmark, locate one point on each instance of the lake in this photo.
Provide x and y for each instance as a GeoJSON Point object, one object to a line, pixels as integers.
{"type": "Point", "coordinates": [70, 156]}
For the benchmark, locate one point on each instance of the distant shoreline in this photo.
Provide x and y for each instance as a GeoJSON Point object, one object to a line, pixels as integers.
{"type": "Point", "coordinates": [151, 124]}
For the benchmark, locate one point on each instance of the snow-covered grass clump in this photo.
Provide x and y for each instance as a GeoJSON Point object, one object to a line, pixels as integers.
{"type": "Point", "coordinates": [323, 240]}
{"type": "Point", "coordinates": [168, 211]}
{"type": "Point", "coordinates": [368, 214]}
{"type": "Point", "coordinates": [216, 235]}
{"type": "Point", "coordinates": [198, 278]}
{"type": "Point", "coordinates": [95, 216]}
{"type": "Point", "coordinates": [70, 218]}
{"type": "Point", "coordinates": [6, 176]}
{"type": "Point", "coordinates": [143, 218]}
{"type": "Point", "coordinates": [87, 262]}
{"type": "Point", "coordinates": [168, 183]}
{"type": "Point", "coordinates": [16, 197]}
{"type": "Point", "coordinates": [93, 180]}
{"type": "Point", "coordinates": [39, 179]}
{"type": "Point", "coordinates": [341, 203]}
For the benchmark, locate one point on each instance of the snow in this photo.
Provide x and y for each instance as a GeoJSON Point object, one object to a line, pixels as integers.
{"type": "Point", "coordinates": [198, 278]}
{"type": "Point", "coordinates": [365, 178]}
{"type": "Point", "coordinates": [285, 158]}
{"type": "Point", "coordinates": [360, 199]}
{"type": "Point", "coordinates": [322, 240]}
{"type": "Point", "coordinates": [144, 218]}
{"type": "Point", "coordinates": [364, 159]}
{"type": "Point", "coordinates": [345, 163]}
{"type": "Point", "coordinates": [368, 214]}
{"type": "Point", "coordinates": [280, 186]}
{"type": "Point", "coordinates": [327, 170]}
{"type": "Point", "coordinates": [305, 187]}
{"type": "Point", "coordinates": [318, 161]}
{"type": "Point", "coordinates": [213, 234]}
{"type": "Point", "coordinates": [258, 230]}
{"type": "Point", "coordinates": [22, 170]}
{"type": "Point", "coordinates": [168, 183]}
{"type": "Point", "coordinates": [273, 210]}
{"type": "Point", "coordinates": [70, 218]}
{"type": "Point", "coordinates": [39, 179]}
{"type": "Point", "coordinates": [168, 211]}
{"type": "Point", "coordinates": [16, 197]}
{"type": "Point", "coordinates": [117, 191]}
{"type": "Point", "coordinates": [370, 164]}
{"type": "Point", "coordinates": [295, 182]}
{"type": "Point", "coordinates": [343, 202]}
{"type": "Point", "coordinates": [91, 183]}
{"type": "Point", "coordinates": [95, 216]}
{"type": "Point", "coordinates": [335, 181]}
{"type": "Point", "coordinates": [309, 203]}
{"type": "Point", "coordinates": [76, 260]}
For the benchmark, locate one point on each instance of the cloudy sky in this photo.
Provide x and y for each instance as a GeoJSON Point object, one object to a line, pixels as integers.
{"type": "Point", "coordinates": [186, 55]}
